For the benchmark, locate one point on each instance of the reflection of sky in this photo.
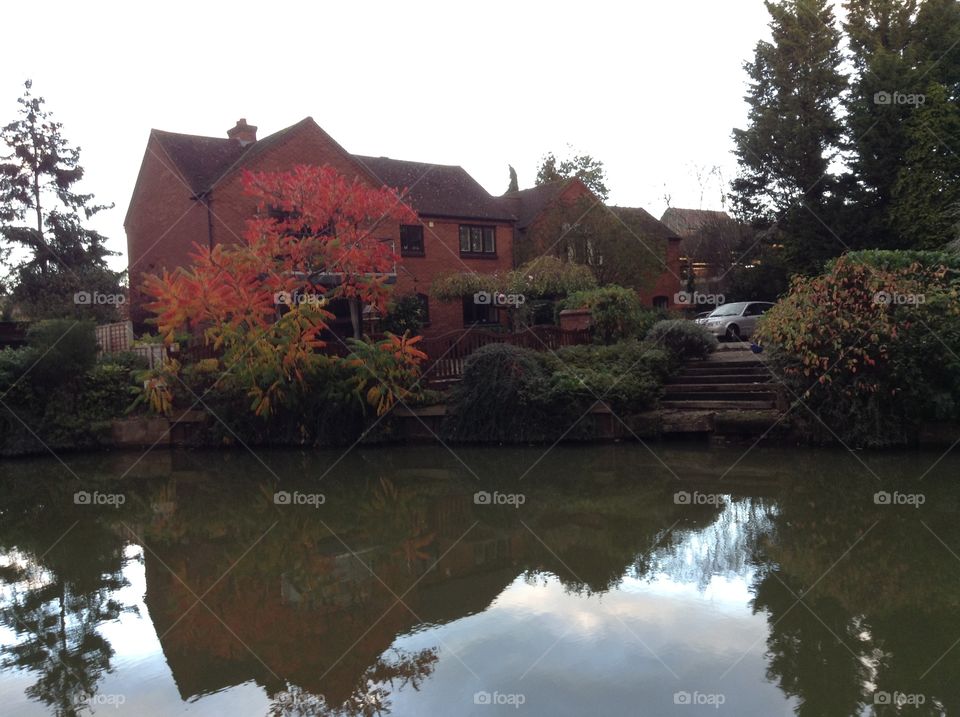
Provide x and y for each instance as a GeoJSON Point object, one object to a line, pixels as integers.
{"type": "Point", "coordinates": [677, 628]}
{"type": "Point", "coordinates": [628, 651]}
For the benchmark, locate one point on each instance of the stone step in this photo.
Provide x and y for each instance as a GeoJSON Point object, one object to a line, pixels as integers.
{"type": "Point", "coordinates": [745, 387]}
{"type": "Point", "coordinates": [714, 365]}
{"type": "Point", "coordinates": [721, 396]}
{"type": "Point", "coordinates": [721, 378]}
{"type": "Point", "coordinates": [717, 405]}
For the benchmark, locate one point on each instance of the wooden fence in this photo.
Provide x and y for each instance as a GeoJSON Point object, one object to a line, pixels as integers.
{"type": "Point", "coordinates": [448, 352]}
{"type": "Point", "coordinates": [114, 338]}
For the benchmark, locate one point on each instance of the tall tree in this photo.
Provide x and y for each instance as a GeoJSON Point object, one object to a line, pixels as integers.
{"type": "Point", "coordinates": [588, 170]}
{"type": "Point", "coordinates": [793, 133]}
{"type": "Point", "coordinates": [42, 213]}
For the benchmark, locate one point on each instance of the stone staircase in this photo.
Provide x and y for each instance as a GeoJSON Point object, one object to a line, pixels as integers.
{"type": "Point", "coordinates": [727, 380]}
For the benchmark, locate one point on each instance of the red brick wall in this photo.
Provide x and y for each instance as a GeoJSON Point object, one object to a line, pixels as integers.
{"type": "Point", "coordinates": [162, 223]}
{"type": "Point", "coordinates": [441, 248]}
{"type": "Point", "coordinates": [667, 283]}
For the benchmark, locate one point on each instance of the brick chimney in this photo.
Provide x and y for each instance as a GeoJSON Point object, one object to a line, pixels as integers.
{"type": "Point", "coordinates": [244, 133]}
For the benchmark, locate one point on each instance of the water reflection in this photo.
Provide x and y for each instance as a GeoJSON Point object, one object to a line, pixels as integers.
{"type": "Point", "coordinates": [793, 592]}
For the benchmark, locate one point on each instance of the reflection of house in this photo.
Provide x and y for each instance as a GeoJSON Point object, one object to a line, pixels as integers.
{"type": "Point", "coordinates": [709, 239]}
{"type": "Point", "coordinates": [537, 208]}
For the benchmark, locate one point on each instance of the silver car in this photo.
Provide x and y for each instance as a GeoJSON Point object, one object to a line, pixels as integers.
{"type": "Point", "coordinates": [735, 321]}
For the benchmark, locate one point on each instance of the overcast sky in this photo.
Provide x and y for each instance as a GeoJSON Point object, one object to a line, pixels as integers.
{"type": "Point", "coordinates": [652, 89]}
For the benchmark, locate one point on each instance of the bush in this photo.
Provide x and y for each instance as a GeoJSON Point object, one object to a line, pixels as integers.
{"type": "Point", "coordinates": [616, 312]}
{"type": "Point", "coordinates": [509, 394]}
{"type": "Point", "coordinates": [64, 350]}
{"type": "Point", "coordinates": [406, 314]}
{"type": "Point", "coordinates": [684, 339]}
{"type": "Point", "coordinates": [501, 397]}
{"type": "Point", "coordinates": [863, 356]}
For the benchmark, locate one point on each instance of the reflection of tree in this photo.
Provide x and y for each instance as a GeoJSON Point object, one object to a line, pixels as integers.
{"type": "Point", "coordinates": [371, 696]}
{"type": "Point", "coordinates": [807, 658]}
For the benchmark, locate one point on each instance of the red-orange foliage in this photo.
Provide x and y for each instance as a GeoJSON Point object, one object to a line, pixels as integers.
{"type": "Point", "coordinates": [312, 224]}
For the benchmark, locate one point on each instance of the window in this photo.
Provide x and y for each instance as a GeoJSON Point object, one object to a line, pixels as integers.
{"type": "Point", "coordinates": [661, 302]}
{"type": "Point", "coordinates": [476, 239]}
{"type": "Point", "coordinates": [755, 309]}
{"type": "Point", "coordinates": [411, 240]}
{"type": "Point", "coordinates": [474, 313]}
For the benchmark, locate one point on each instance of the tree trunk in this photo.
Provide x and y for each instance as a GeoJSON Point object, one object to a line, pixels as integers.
{"type": "Point", "coordinates": [355, 314]}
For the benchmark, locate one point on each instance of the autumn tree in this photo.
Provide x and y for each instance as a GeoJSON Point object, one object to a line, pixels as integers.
{"type": "Point", "coordinates": [264, 302]}
{"type": "Point", "coordinates": [43, 216]}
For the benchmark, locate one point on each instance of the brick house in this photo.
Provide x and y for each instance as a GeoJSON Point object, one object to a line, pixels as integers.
{"type": "Point", "coordinates": [189, 190]}
{"type": "Point", "coordinates": [532, 208]}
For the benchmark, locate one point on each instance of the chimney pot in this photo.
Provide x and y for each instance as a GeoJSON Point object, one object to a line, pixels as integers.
{"type": "Point", "coordinates": [242, 132]}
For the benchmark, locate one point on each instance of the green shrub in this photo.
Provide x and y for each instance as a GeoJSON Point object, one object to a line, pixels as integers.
{"type": "Point", "coordinates": [64, 350]}
{"type": "Point", "coordinates": [616, 312]}
{"type": "Point", "coordinates": [684, 339]}
{"type": "Point", "coordinates": [406, 314]}
{"type": "Point", "coordinates": [871, 369]}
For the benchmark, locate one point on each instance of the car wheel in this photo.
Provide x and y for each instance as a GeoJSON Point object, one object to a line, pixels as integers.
{"type": "Point", "coordinates": [733, 333]}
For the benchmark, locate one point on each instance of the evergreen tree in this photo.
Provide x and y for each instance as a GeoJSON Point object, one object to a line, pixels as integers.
{"type": "Point", "coordinates": [793, 133]}
{"type": "Point", "coordinates": [514, 184]}
{"type": "Point", "coordinates": [42, 213]}
{"type": "Point", "coordinates": [927, 187]}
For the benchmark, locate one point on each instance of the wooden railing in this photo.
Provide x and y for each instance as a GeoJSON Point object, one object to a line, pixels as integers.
{"type": "Point", "coordinates": [448, 352]}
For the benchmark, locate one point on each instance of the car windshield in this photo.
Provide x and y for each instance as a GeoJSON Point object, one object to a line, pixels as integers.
{"type": "Point", "coordinates": [728, 310]}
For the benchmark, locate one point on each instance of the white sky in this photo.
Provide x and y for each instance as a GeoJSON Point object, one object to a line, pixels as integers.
{"type": "Point", "coordinates": [652, 88]}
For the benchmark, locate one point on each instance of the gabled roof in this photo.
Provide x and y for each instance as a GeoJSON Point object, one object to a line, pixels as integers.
{"type": "Point", "coordinates": [433, 189]}
{"type": "Point", "coordinates": [640, 219]}
{"type": "Point", "coordinates": [201, 160]}
{"type": "Point", "coordinates": [440, 190]}
{"type": "Point", "coordinates": [527, 204]}
{"type": "Point", "coordinates": [686, 222]}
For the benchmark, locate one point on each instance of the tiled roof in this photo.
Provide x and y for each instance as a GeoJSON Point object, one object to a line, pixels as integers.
{"type": "Point", "coordinates": [441, 190]}
{"type": "Point", "coordinates": [433, 189]}
{"type": "Point", "coordinates": [528, 203]}
{"type": "Point", "coordinates": [640, 220]}
{"type": "Point", "coordinates": [686, 222]}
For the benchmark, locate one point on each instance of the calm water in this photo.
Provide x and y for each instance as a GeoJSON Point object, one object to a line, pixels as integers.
{"type": "Point", "coordinates": [589, 581]}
